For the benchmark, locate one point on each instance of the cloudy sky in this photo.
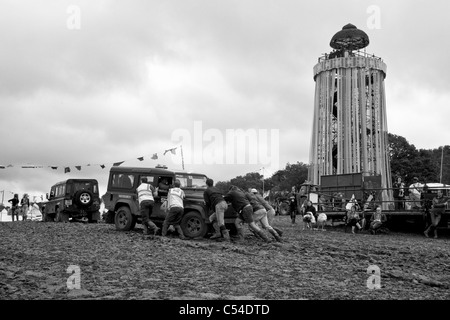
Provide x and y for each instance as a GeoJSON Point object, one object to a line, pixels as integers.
{"type": "Point", "coordinates": [98, 82]}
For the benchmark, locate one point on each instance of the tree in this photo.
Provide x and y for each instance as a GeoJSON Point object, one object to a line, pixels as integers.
{"type": "Point", "coordinates": [223, 186]}
{"type": "Point", "coordinates": [282, 180]}
{"type": "Point", "coordinates": [250, 180]}
{"type": "Point", "coordinates": [402, 155]}
{"type": "Point", "coordinates": [439, 156]}
{"type": "Point", "coordinates": [292, 176]}
{"type": "Point", "coordinates": [408, 162]}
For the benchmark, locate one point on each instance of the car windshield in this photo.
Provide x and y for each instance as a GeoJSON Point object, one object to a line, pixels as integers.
{"type": "Point", "coordinates": [192, 181]}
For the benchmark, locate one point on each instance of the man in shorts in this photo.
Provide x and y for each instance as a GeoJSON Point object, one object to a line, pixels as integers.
{"type": "Point", "coordinates": [244, 209]}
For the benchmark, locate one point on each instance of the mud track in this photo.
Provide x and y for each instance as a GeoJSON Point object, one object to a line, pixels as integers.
{"type": "Point", "coordinates": [35, 256]}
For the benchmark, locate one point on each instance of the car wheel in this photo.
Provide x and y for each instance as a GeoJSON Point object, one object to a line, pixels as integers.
{"type": "Point", "coordinates": [193, 225]}
{"type": "Point", "coordinates": [84, 198]}
{"type": "Point", "coordinates": [123, 219]}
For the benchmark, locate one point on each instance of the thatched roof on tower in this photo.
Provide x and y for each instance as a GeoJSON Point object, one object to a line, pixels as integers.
{"type": "Point", "coordinates": [349, 38]}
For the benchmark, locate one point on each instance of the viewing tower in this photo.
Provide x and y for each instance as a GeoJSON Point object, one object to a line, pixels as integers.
{"type": "Point", "coordinates": [350, 126]}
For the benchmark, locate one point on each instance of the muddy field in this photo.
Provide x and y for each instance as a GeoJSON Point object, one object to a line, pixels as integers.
{"type": "Point", "coordinates": [37, 259]}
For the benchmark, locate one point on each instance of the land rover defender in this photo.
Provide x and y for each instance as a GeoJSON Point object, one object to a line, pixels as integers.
{"type": "Point", "coordinates": [122, 203]}
{"type": "Point", "coordinates": [73, 199]}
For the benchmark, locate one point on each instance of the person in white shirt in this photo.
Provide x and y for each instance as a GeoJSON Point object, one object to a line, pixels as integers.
{"type": "Point", "coordinates": [146, 200]}
{"type": "Point", "coordinates": [415, 191]}
{"type": "Point", "coordinates": [175, 206]}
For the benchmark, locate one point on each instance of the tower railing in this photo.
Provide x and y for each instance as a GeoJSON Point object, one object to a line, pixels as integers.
{"type": "Point", "coordinates": [336, 199]}
{"type": "Point", "coordinates": [342, 54]}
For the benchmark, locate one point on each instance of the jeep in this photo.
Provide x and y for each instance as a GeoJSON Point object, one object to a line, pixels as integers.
{"type": "Point", "coordinates": [122, 204]}
{"type": "Point", "coordinates": [73, 199]}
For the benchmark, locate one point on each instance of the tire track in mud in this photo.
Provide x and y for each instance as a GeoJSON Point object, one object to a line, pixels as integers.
{"type": "Point", "coordinates": [306, 265]}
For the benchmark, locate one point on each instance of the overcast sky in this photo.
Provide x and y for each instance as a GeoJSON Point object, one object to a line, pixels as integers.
{"type": "Point", "coordinates": [99, 82]}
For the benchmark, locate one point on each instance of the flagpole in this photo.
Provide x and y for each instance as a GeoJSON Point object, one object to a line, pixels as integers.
{"type": "Point", "coordinates": [1, 212]}
{"type": "Point", "coordinates": [442, 162]}
{"type": "Point", "coordinates": [182, 158]}
{"type": "Point", "coordinates": [263, 181]}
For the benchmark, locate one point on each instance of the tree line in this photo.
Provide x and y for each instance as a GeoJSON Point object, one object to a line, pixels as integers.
{"type": "Point", "coordinates": [406, 161]}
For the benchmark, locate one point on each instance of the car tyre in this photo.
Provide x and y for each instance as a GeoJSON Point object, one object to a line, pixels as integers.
{"type": "Point", "coordinates": [124, 219]}
{"type": "Point", "coordinates": [84, 198]}
{"type": "Point", "coordinates": [193, 225]}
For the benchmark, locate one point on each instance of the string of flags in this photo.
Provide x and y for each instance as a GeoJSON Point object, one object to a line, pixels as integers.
{"type": "Point", "coordinates": [68, 169]}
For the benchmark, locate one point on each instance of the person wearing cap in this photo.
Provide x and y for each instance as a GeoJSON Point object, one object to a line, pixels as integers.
{"type": "Point", "coordinates": [415, 191]}
{"type": "Point", "coordinates": [260, 215]}
{"type": "Point", "coordinates": [269, 209]}
{"type": "Point", "coordinates": [215, 202]}
{"type": "Point", "coordinates": [175, 206]}
{"type": "Point", "coordinates": [242, 206]}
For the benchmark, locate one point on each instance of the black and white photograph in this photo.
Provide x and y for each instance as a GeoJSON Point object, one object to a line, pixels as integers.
{"type": "Point", "coordinates": [218, 157]}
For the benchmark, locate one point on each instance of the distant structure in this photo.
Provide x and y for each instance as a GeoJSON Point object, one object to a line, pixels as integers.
{"type": "Point", "coordinates": [350, 125]}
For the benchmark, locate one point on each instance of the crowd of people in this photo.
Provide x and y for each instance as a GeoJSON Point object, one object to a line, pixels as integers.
{"type": "Point", "coordinates": [253, 210]}
{"type": "Point", "coordinates": [22, 208]}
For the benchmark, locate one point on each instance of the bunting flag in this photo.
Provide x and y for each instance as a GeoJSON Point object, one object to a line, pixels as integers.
{"type": "Point", "coordinates": [171, 150]}
{"type": "Point", "coordinates": [67, 169]}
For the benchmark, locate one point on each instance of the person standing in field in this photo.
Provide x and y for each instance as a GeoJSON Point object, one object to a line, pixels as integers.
{"type": "Point", "coordinates": [399, 194]}
{"type": "Point", "coordinates": [215, 202]}
{"type": "Point", "coordinates": [146, 193]}
{"type": "Point", "coordinates": [415, 191]}
{"type": "Point", "coordinates": [14, 206]}
{"type": "Point", "coordinates": [175, 205]}
{"type": "Point", "coordinates": [25, 204]}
